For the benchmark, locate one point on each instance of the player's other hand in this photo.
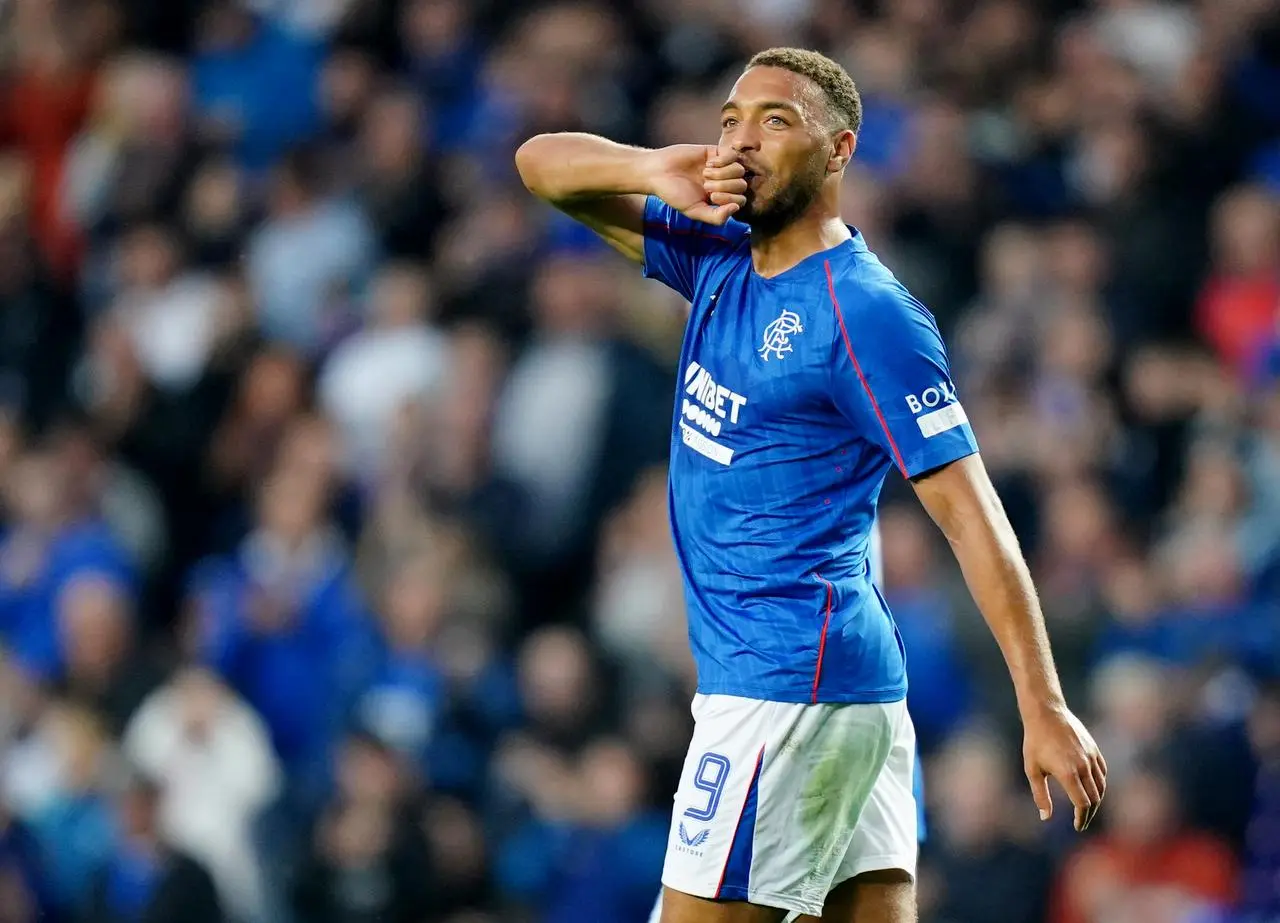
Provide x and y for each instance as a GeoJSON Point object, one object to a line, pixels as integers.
{"type": "Point", "coordinates": [1056, 745]}
{"type": "Point", "coordinates": [699, 181]}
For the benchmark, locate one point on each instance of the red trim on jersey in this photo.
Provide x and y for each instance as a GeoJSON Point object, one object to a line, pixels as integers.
{"type": "Point", "coordinates": [737, 828]}
{"type": "Point", "coordinates": [822, 640]}
{"type": "Point", "coordinates": [848, 345]}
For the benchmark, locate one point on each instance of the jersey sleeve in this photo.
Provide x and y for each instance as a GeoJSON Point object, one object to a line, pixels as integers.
{"type": "Point", "coordinates": [892, 380]}
{"type": "Point", "coordinates": [675, 244]}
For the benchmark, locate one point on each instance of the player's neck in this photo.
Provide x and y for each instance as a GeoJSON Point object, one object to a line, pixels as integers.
{"type": "Point", "coordinates": [816, 230]}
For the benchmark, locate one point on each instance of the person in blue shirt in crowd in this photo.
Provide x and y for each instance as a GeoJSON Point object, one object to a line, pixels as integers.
{"type": "Point", "coordinates": [48, 545]}
{"type": "Point", "coordinates": [807, 372]}
{"type": "Point", "coordinates": [253, 83]}
{"type": "Point", "coordinates": [282, 622]}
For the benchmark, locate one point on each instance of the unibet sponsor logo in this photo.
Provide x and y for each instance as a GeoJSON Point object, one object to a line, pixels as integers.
{"type": "Point", "coordinates": [708, 404]}
{"type": "Point", "coordinates": [707, 407]}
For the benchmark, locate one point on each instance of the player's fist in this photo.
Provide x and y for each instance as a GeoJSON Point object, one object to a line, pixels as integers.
{"type": "Point", "coordinates": [677, 176]}
{"type": "Point", "coordinates": [724, 179]}
{"type": "Point", "coordinates": [1056, 745]}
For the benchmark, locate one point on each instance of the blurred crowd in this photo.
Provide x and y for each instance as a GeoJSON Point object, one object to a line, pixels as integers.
{"type": "Point", "coordinates": [335, 581]}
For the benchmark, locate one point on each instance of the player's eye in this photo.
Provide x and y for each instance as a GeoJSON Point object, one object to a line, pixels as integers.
{"type": "Point", "coordinates": [728, 122]}
{"type": "Point", "coordinates": [776, 121]}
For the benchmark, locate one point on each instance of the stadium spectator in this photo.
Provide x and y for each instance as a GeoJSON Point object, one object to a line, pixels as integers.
{"type": "Point", "coordinates": [212, 758]}
{"type": "Point", "coordinates": [396, 359]}
{"type": "Point", "coordinates": [145, 877]}
{"type": "Point", "coordinates": [282, 623]}
{"type": "Point", "coordinates": [309, 255]}
{"type": "Point", "coordinates": [980, 868]}
{"type": "Point", "coordinates": [1145, 866]}
{"type": "Point", "coordinates": [369, 860]}
{"type": "Point", "coordinates": [74, 825]}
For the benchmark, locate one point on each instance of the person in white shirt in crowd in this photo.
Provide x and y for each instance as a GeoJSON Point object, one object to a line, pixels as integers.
{"type": "Point", "coordinates": [214, 759]}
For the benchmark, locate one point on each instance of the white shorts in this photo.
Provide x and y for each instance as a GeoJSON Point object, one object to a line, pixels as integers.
{"type": "Point", "coordinates": [780, 802]}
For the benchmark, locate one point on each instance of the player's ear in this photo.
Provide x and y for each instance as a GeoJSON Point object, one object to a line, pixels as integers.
{"type": "Point", "coordinates": [842, 147]}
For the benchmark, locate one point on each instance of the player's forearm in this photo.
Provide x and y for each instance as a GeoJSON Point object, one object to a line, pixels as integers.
{"type": "Point", "coordinates": [571, 166]}
{"type": "Point", "coordinates": [1001, 585]}
{"type": "Point", "coordinates": [963, 502]}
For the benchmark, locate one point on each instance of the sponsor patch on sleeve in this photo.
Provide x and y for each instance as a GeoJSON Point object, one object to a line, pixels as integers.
{"type": "Point", "coordinates": [942, 419]}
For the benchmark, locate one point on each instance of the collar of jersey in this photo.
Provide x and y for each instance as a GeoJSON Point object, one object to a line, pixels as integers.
{"type": "Point", "coordinates": [813, 263]}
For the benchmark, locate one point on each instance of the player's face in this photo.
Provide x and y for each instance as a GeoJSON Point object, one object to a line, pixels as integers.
{"type": "Point", "coordinates": [774, 119]}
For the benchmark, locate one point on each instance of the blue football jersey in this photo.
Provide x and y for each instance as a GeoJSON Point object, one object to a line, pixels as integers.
{"type": "Point", "coordinates": [796, 395]}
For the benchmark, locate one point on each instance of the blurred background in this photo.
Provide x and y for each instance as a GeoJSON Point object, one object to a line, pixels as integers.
{"type": "Point", "coordinates": [335, 582]}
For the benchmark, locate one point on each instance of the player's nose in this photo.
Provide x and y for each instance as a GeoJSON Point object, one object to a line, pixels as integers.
{"type": "Point", "coordinates": [744, 138]}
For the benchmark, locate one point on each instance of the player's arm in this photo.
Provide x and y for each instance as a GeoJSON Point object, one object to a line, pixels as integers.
{"type": "Point", "coordinates": [892, 379]}
{"type": "Point", "coordinates": [605, 185]}
{"type": "Point", "coordinates": [963, 502]}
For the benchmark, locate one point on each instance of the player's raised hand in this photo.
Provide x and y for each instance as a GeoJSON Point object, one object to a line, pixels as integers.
{"type": "Point", "coordinates": [724, 179]}
{"type": "Point", "coordinates": [677, 177]}
{"type": "Point", "coordinates": [1056, 745]}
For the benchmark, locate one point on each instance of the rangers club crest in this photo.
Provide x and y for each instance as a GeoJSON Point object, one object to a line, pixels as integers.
{"type": "Point", "coordinates": [777, 336]}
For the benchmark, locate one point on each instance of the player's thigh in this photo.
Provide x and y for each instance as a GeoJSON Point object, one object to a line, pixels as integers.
{"type": "Point", "coordinates": [875, 883]}
{"type": "Point", "coordinates": [769, 801]}
{"type": "Point", "coordinates": [884, 896]}
{"type": "Point", "coordinates": [887, 833]}
{"type": "Point", "coordinates": [678, 907]}
{"type": "Point", "coordinates": [711, 845]}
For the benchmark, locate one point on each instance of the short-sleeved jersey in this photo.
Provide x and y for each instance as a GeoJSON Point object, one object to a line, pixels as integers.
{"type": "Point", "coordinates": [796, 395]}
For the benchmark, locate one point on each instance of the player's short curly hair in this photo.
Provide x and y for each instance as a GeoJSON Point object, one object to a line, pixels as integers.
{"type": "Point", "coordinates": [832, 79]}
